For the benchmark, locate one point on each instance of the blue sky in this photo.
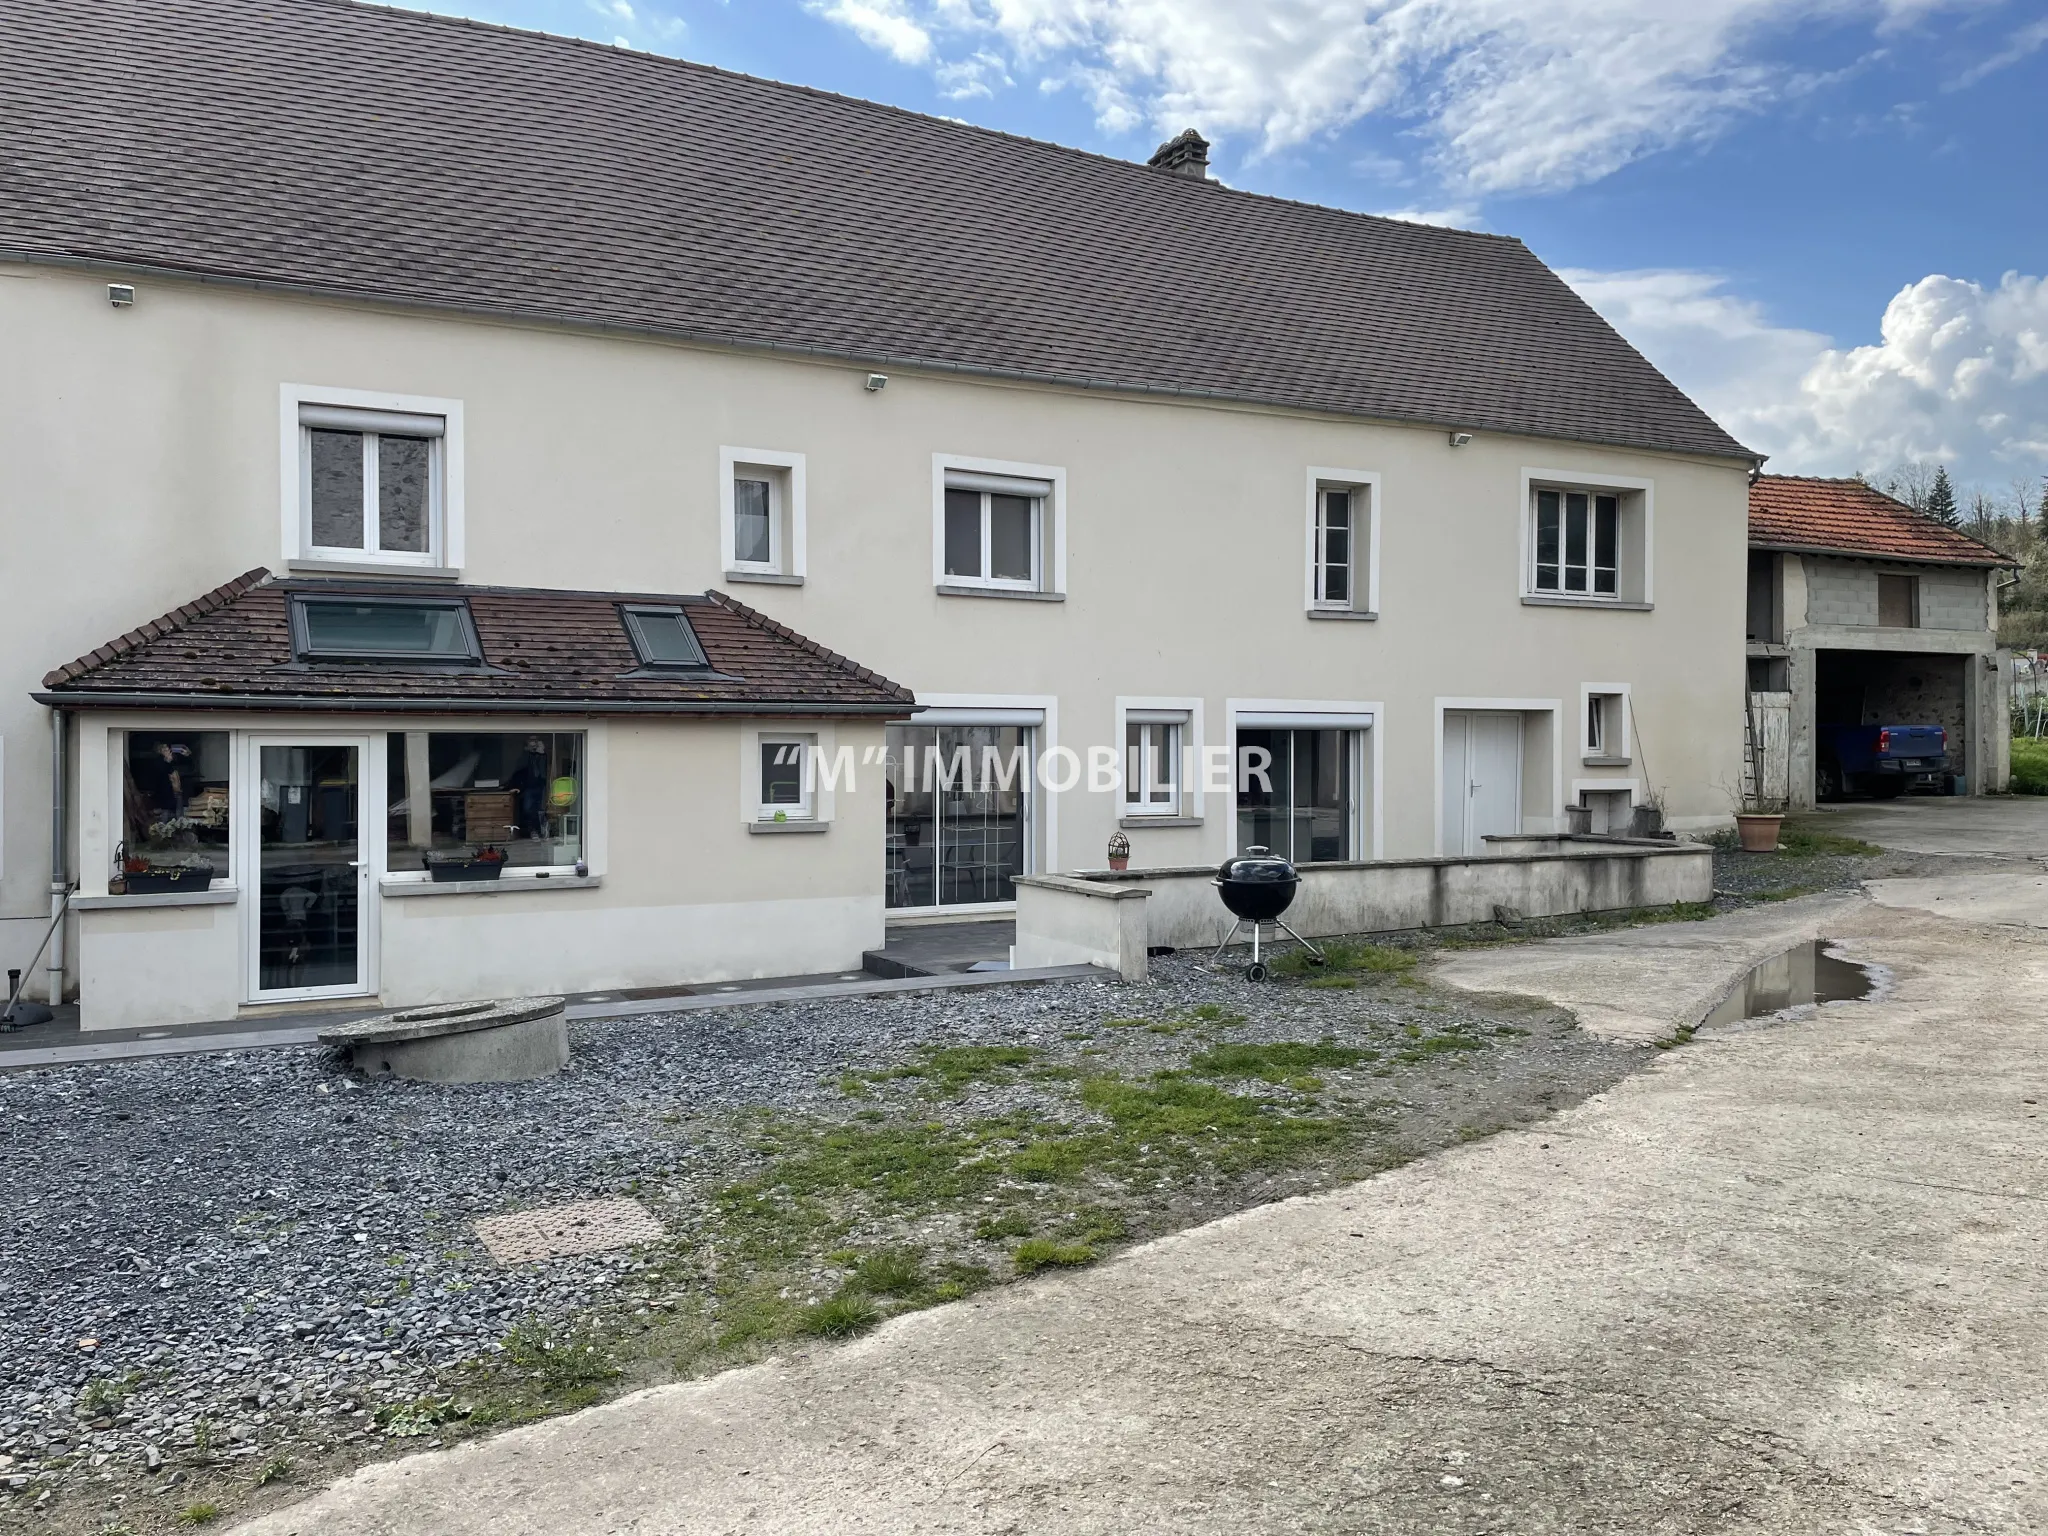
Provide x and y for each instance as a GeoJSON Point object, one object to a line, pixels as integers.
{"type": "Point", "coordinates": [1805, 211]}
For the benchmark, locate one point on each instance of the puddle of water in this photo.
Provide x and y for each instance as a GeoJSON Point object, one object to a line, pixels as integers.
{"type": "Point", "coordinates": [1806, 973]}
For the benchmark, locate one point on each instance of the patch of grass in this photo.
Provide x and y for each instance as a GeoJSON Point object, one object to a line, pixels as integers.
{"type": "Point", "coordinates": [1333, 983]}
{"type": "Point", "coordinates": [1004, 1224]}
{"type": "Point", "coordinates": [201, 1513]}
{"type": "Point", "coordinates": [2029, 766]}
{"type": "Point", "coordinates": [1275, 1063]}
{"type": "Point", "coordinates": [1784, 893]}
{"type": "Point", "coordinates": [1342, 955]}
{"type": "Point", "coordinates": [104, 1396]}
{"type": "Point", "coordinates": [1427, 1046]}
{"type": "Point", "coordinates": [841, 1317]}
{"type": "Point", "coordinates": [275, 1470]}
{"type": "Point", "coordinates": [422, 1416]}
{"type": "Point", "coordinates": [557, 1363]}
{"type": "Point", "coordinates": [950, 1069]}
{"type": "Point", "coordinates": [892, 1272]}
{"type": "Point", "coordinates": [1043, 1253]}
{"type": "Point", "coordinates": [1803, 842]}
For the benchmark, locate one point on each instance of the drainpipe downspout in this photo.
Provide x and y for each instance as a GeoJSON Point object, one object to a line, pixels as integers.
{"type": "Point", "coordinates": [60, 863]}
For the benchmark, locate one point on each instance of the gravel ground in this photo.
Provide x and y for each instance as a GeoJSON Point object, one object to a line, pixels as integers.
{"type": "Point", "coordinates": [214, 1260]}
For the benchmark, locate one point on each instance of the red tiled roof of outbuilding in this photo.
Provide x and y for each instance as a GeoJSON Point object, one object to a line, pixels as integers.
{"type": "Point", "coordinates": [1801, 512]}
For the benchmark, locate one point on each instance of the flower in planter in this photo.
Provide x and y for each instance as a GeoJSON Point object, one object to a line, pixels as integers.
{"type": "Point", "coordinates": [490, 855]}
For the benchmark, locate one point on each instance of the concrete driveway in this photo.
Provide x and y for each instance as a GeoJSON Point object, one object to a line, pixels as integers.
{"type": "Point", "coordinates": [1788, 1279]}
{"type": "Point", "coordinates": [2013, 826]}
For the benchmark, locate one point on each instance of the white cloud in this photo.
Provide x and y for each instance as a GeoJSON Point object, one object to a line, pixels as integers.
{"type": "Point", "coordinates": [883, 24]}
{"type": "Point", "coordinates": [1505, 94]}
{"type": "Point", "coordinates": [1958, 376]}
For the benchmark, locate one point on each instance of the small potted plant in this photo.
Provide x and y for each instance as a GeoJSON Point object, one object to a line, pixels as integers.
{"type": "Point", "coordinates": [1119, 851]}
{"type": "Point", "coordinates": [144, 877]}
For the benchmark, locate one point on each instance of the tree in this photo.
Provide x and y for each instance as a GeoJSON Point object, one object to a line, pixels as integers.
{"type": "Point", "coordinates": [1941, 499]}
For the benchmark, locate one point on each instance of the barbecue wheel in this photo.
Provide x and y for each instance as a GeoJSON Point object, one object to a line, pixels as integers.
{"type": "Point", "coordinates": [1255, 972]}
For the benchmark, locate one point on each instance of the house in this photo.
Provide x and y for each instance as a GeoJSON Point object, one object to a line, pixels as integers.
{"type": "Point", "coordinates": [1231, 520]}
{"type": "Point", "coordinates": [1864, 611]}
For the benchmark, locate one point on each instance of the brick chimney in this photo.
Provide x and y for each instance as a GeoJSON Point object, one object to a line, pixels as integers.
{"type": "Point", "coordinates": [1185, 154]}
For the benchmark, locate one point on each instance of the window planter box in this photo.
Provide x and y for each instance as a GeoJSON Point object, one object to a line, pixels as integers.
{"type": "Point", "coordinates": [162, 879]}
{"type": "Point", "coordinates": [445, 870]}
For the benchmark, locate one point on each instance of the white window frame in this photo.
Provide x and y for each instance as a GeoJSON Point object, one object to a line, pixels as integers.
{"type": "Point", "coordinates": [806, 744]}
{"type": "Point", "coordinates": [1627, 559]}
{"type": "Point", "coordinates": [786, 514]}
{"type": "Point", "coordinates": [445, 545]}
{"type": "Point", "coordinates": [1365, 718]}
{"type": "Point", "coordinates": [1039, 714]}
{"type": "Point", "coordinates": [1048, 533]}
{"type": "Point", "coordinates": [1365, 541]}
{"type": "Point", "coordinates": [1621, 749]}
{"type": "Point", "coordinates": [819, 805]}
{"type": "Point", "coordinates": [1184, 716]}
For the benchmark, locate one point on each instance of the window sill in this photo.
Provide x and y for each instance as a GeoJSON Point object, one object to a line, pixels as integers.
{"type": "Point", "coordinates": [777, 828]}
{"type": "Point", "coordinates": [765, 578]}
{"type": "Point", "coordinates": [1605, 762]}
{"type": "Point", "coordinates": [1552, 600]}
{"type": "Point", "coordinates": [1343, 613]}
{"type": "Point", "coordinates": [1146, 823]}
{"type": "Point", "coordinates": [372, 568]}
{"type": "Point", "coordinates": [504, 885]}
{"type": "Point", "coordinates": [219, 894]}
{"type": "Point", "coordinates": [1028, 594]}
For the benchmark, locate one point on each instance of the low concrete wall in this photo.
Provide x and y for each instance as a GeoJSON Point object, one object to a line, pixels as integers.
{"type": "Point", "coordinates": [1542, 877]}
{"type": "Point", "coordinates": [1066, 921]}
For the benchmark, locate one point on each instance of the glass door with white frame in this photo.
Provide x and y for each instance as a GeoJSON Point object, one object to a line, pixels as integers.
{"type": "Point", "coordinates": [959, 828]}
{"type": "Point", "coordinates": [311, 877]}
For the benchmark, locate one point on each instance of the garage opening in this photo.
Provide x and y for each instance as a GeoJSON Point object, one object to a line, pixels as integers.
{"type": "Point", "coordinates": [1879, 688]}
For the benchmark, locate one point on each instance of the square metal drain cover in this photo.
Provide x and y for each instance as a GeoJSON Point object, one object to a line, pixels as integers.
{"type": "Point", "coordinates": [559, 1231]}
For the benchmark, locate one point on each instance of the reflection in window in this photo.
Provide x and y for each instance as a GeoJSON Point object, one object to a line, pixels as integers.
{"type": "Point", "coordinates": [369, 629]}
{"type": "Point", "coordinates": [174, 800]}
{"type": "Point", "coordinates": [1302, 803]}
{"type": "Point", "coordinates": [451, 793]}
{"type": "Point", "coordinates": [784, 791]}
{"type": "Point", "coordinates": [959, 803]}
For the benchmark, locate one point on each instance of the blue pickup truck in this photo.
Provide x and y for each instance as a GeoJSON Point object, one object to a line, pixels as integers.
{"type": "Point", "coordinates": [1881, 760]}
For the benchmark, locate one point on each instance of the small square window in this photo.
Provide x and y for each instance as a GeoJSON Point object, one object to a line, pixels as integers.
{"type": "Point", "coordinates": [372, 484]}
{"type": "Point", "coordinates": [662, 637]}
{"type": "Point", "coordinates": [786, 777]}
{"type": "Point", "coordinates": [994, 530]}
{"type": "Point", "coordinates": [1606, 726]}
{"type": "Point", "coordinates": [174, 809]}
{"type": "Point", "coordinates": [383, 629]}
{"type": "Point", "coordinates": [762, 497]}
{"type": "Point", "coordinates": [1898, 602]}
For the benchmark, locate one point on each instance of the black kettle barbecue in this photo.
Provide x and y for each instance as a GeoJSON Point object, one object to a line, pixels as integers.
{"type": "Point", "coordinates": [1257, 886]}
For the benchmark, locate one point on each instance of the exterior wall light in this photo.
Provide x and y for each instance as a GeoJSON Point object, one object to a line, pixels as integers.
{"type": "Point", "coordinates": [1460, 439]}
{"type": "Point", "coordinates": [875, 383]}
{"type": "Point", "coordinates": [121, 295]}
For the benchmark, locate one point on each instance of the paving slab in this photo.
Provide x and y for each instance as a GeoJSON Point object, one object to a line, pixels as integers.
{"type": "Point", "coordinates": [2009, 826]}
{"type": "Point", "coordinates": [1789, 1279]}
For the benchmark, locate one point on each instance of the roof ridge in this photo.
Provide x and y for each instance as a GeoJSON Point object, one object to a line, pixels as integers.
{"type": "Point", "coordinates": [760, 620]}
{"type": "Point", "coordinates": [157, 628]}
{"type": "Point", "coordinates": [566, 39]}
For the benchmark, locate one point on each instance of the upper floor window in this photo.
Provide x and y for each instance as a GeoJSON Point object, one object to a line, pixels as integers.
{"type": "Point", "coordinates": [1578, 542]}
{"type": "Point", "coordinates": [1587, 542]}
{"type": "Point", "coordinates": [762, 493]}
{"type": "Point", "coordinates": [999, 528]}
{"type": "Point", "coordinates": [371, 479]}
{"type": "Point", "coordinates": [1342, 544]}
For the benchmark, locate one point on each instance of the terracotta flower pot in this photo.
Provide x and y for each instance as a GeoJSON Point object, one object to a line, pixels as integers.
{"type": "Point", "coordinates": [1759, 833]}
{"type": "Point", "coordinates": [1119, 861]}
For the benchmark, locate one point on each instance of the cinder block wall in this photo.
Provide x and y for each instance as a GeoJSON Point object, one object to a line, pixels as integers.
{"type": "Point", "coordinates": [1845, 592]}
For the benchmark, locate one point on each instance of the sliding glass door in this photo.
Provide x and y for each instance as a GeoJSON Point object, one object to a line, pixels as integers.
{"type": "Point", "coordinates": [959, 814]}
{"type": "Point", "coordinates": [1301, 798]}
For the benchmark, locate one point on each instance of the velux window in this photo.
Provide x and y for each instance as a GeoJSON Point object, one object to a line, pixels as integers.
{"type": "Point", "coordinates": [387, 629]}
{"type": "Point", "coordinates": [662, 637]}
{"type": "Point", "coordinates": [995, 529]}
{"type": "Point", "coordinates": [372, 484]}
{"type": "Point", "coordinates": [1578, 542]}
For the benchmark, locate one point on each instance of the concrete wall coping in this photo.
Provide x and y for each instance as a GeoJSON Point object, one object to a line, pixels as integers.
{"type": "Point", "coordinates": [219, 894]}
{"type": "Point", "coordinates": [1609, 847]}
{"type": "Point", "coordinates": [1096, 888]}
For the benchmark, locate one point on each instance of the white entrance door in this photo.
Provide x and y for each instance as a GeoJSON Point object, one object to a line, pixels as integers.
{"type": "Point", "coordinates": [1482, 787]}
{"type": "Point", "coordinates": [310, 904]}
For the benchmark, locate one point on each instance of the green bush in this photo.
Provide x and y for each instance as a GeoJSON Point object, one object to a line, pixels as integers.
{"type": "Point", "coordinates": [1044, 1253]}
{"type": "Point", "coordinates": [2029, 765]}
{"type": "Point", "coordinates": [842, 1317]}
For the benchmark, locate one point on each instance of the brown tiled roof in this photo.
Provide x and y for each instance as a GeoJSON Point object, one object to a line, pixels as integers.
{"type": "Point", "coordinates": [543, 651]}
{"type": "Point", "coordinates": [1851, 518]}
{"type": "Point", "coordinates": [362, 151]}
